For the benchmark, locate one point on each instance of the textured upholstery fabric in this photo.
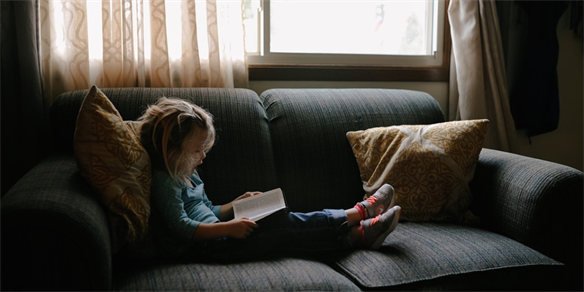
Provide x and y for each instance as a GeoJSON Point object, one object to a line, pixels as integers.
{"type": "Point", "coordinates": [242, 149]}
{"type": "Point", "coordinates": [317, 168]}
{"type": "Point", "coordinates": [536, 202]}
{"type": "Point", "coordinates": [61, 232]}
{"type": "Point", "coordinates": [425, 251]}
{"type": "Point", "coordinates": [55, 234]}
{"type": "Point", "coordinates": [267, 275]}
{"type": "Point", "coordinates": [429, 166]}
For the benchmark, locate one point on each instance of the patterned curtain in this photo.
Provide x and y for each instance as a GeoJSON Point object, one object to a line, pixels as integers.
{"type": "Point", "coordinates": [143, 43]}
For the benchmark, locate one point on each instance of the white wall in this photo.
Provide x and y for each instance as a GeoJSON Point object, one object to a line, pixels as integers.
{"type": "Point", "coordinates": [565, 145]}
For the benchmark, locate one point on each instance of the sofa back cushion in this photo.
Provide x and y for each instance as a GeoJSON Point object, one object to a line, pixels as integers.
{"type": "Point", "coordinates": [315, 164]}
{"type": "Point", "coordinates": [429, 166]}
{"type": "Point", "coordinates": [241, 159]}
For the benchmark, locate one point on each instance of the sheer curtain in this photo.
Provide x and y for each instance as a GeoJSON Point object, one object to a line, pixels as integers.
{"type": "Point", "coordinates": [478, 87]}
{"type": "Point", "coordinates": [144, 43]}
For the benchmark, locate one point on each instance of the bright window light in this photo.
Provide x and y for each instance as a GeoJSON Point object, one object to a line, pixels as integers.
{"type": "Point", "coordinates": [344, 31]}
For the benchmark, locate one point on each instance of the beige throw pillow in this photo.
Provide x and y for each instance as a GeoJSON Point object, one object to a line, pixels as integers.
{"type": "Point", "coordinates": [111, 158]}
{"type": "Point", "coordinates": [429, 166]}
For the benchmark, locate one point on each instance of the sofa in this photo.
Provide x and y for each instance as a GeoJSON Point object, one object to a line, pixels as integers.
{"type": "Point", "coordinates": [56, 234]}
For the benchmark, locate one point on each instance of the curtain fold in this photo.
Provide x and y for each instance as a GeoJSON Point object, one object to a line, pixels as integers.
{"type": "Point", "coordinates": [24, 127]}
{"type": "Point", "coordinates": [478, 83]}
{"type": "Point", "coordinates": [156, 43]}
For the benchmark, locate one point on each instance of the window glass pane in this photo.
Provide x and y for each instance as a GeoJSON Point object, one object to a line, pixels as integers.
{"type": "Point", "coordinates": [251, 17]}
{"type": "Point", "coordinates": [390, 27]}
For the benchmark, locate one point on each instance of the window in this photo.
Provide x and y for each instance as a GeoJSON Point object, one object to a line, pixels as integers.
{"type": "Point", "coordinates": [350, 39]}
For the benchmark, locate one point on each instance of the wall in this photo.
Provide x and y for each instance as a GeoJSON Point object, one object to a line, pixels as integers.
{"type": "Point", "coordinates": [563, 146]}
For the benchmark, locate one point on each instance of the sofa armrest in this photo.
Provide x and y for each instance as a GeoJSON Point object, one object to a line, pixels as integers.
{"type": "Point", "coordinates": [55, 233]}
{"type": "Point", "coordinates": [535, 202]}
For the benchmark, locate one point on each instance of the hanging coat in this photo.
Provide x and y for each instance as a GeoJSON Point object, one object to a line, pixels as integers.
{"type": "Point", "coordinates": [532, 50]}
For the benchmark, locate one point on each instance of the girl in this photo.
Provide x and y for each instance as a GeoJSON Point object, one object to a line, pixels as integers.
{"type": "Point", "coordinates": [177, 135]}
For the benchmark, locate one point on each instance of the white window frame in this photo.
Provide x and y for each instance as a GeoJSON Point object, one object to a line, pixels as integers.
{"type": "Point", "coordinates": [266, 58]}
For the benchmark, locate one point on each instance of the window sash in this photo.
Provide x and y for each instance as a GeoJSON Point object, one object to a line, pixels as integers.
{"type": "Point", "coordinates": [345, 67]}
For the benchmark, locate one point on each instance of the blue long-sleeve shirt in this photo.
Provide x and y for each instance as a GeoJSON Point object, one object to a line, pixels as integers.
{"type": "Point", "coordinates": [177, 211]}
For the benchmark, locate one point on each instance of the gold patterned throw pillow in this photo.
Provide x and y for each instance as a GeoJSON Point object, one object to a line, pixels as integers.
{"type": "Point", "coordinates": [429, 166]}
{"type": "Point", "coordinates": [111, 158]}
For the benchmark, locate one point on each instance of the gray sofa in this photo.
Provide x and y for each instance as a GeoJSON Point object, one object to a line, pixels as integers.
{"type": "Point", "coordinates": [55, 232]}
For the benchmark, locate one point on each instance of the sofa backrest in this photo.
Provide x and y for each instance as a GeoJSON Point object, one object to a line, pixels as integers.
{"type": "Point", "coordinates": [289, 138]}
{"type": "Point", "coordinates": [241, 159]}
{"type": "Point", "coordinates": [315, 164]}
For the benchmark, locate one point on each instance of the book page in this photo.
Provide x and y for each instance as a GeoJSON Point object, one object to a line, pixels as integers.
{"type": "Point", "coordinates": [259, 206]}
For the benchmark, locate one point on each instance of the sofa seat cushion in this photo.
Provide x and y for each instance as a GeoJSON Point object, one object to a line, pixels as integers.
{"type": "Point", "coordinates": [266, 275]}
{"type": "Point", "coordinates": [418, 252]}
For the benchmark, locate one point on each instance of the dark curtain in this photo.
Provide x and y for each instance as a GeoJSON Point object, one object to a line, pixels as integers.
{"type": "Point", "coordinates": [530, 45]}
{"type": "Point", "coordinates": [24, 127]}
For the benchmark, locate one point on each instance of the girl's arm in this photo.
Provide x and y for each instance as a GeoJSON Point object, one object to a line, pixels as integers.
{"type": "Point", "coordinates": [236, 228]}
{"type": "Point", "coordinates": [226, 211]}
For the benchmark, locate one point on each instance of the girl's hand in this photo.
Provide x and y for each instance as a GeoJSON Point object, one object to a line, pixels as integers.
{"type": "Point", "coordinates": [241, 228]}
{"type": "Point", "coordinates": [247, 194]}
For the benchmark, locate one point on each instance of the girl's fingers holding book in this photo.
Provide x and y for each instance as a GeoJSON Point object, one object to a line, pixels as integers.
{"type": "Point", "coordinates": [241, 228]}
{"type": "Point", "coordinates": [247, 195]}
{"type": "Point", "coordinates": [250, 223]}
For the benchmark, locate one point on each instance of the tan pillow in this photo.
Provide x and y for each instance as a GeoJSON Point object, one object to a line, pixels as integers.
{"type": "Point", "coordinates": [429, 166]}
{"type": "Point", "coordinates": [111, 158]}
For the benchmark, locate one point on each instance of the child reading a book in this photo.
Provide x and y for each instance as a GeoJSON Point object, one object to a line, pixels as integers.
{"type": "Point", "coordinates": [177, 135]}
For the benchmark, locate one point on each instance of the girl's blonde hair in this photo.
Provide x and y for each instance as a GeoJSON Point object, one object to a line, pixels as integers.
{"type": "Point", "coordinates": [167, 125]}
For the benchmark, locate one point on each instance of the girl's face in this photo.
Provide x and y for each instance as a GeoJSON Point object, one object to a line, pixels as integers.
{"type": "Point", "coordinates": [195, 149]}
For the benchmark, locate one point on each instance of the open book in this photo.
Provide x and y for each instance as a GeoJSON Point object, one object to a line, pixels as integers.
{"type": "Point", "coordinates": [259, 206]}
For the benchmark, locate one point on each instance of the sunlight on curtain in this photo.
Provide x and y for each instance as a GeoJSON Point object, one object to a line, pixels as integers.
{"type": "Point", "coordinates": [156, 43]}
{"type": "Point", "coordinates": [478, 86]}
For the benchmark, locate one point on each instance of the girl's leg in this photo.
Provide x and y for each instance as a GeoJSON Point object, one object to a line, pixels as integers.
{"type": "Point", "coordinates": [308, 233]}
{"type": "Point", "coordinates": [353, 217]}
{"type": "Point", "coordinates": [314, 232]}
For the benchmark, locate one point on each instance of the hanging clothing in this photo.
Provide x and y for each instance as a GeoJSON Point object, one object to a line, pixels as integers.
{"type": "Point", "coordinates": [531, 53]}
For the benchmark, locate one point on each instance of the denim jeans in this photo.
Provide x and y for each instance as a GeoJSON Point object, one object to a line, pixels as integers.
{"type": "Point", "coordinates": [306, 233]}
